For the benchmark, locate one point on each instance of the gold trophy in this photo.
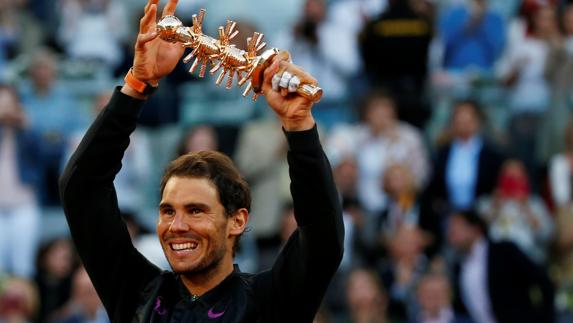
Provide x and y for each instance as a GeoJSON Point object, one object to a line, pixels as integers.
{"type": "Point", "coordinates": [225, 57]}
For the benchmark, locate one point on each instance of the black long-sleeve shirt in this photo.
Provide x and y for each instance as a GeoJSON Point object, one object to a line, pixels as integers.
{"type": "Point", "coordinates": [134, 290]}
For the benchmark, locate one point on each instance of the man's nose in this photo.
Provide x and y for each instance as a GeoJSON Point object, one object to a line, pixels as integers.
{"type": "Point", "coordinates": [179, 224]}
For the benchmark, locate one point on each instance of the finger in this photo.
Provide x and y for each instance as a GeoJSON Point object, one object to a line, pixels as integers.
{"type": "Point", "coordinates": [285, 78]}
{"type": "Point", "coordinates": [147, 23]}
{"type": "Point", "coordinates": [149, 3]}
{"type": "Point", "coordinates": [143, 39]}
{"type": "Point", "coordinates": [293, 84]}
{"type": "Point", "coordinates": [275, 82]}
{"type": "Point", "coordinates": [169, 9]}
{"type": "Point", "coordinates": [304, 77]}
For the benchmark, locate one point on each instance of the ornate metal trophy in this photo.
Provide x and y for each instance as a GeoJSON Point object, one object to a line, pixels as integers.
{"type": "Point", "coordinates": [225, 57]}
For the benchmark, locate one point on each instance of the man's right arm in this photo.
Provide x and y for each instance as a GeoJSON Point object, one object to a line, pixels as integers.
{"type": "Point", "coordinates": [116, 269]}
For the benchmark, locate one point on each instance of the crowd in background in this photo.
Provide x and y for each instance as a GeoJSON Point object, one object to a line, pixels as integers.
{"type": "Point", "coordinates": [448, 125]}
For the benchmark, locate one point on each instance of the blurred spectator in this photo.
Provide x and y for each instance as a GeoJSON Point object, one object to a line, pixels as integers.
{"type": "Point", "coordinates": [18, 301]}
{"type": "Point", "coordinates": [145, 242]}
{"type": "Point", "coordinates": [19, 174]}
{"type": "Point", "coordinates": [472, 37]}
{"type": "Point", "coordinates": [261, 151]}
{"type": "Point", "coordinates": [403, 206]}
{"type": "Point", "coordinates": [54, 114]}
{"type": "Point", "coordinates": [403, 269]}
{"type": "Point", "coordinates": [561, 172]}
{"type": "Point", "coordinates": [559, 75]}
{"type": "Point", "coordinates": [132, 181]}
{"type": "Point", "coordinates": [529, 94]}
{"type": "Point", "coordinates": [84, 305]}
{"type": "Point", "coordinates": [93, 29]}
{"type": "Point", "coordinates": [515, 214]}
{"type": "Point", "coordinates": [394, 49]}
{"type": "Point", "coordinates": [202, 137]}
{"type": "Point", "coordinates": [562, 264]}
{"type": "Point", "coordinates": [329, 52]}
{"type": "Point", "coordinates": [434, 298]}
{"type": "Point", "coordinates": [467, 165]}
{"type": "Point", "coordinates": [55, 264]}
{"type": "Point", "coordinates": [495, 281]}
{"type": "Point", "coordinates": [381, 139]}
{"type": "Point", "coordinates": [366, 299]}
{"type": "Point", "coordinates": [20, 33]}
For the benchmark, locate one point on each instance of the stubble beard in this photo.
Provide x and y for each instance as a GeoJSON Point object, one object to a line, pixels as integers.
{"type": "Point", "coordinates": [206, 265]}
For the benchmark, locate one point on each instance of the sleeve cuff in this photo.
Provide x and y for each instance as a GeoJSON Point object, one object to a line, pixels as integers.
{"type": "Point", "coordinates": [303, 140]}
{"type": "Point", "coordinates": [124, 105]}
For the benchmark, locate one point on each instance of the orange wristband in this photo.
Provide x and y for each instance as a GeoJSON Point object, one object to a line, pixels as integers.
{"type": "Point", "coordinates": [137, 85]}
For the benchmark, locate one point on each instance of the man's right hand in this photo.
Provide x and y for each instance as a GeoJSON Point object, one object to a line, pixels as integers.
{"type": "Point", "coordinates": [154, 57]}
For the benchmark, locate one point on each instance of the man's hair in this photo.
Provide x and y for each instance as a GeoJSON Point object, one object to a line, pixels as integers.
{"type": "Point", "coordinates": [234, 192]}
{"type": "Point", "coordinates": [472, 217]}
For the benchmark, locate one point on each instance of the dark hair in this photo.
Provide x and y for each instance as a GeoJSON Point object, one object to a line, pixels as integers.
{"type": "Point", "coordinates": [233, 190]}
{"type": "Point", "coordinates": [472, 218]}
{"type": "Point", "coordinates": [379, 94]}
{"type": "Point", "coordinates": [474, 105]}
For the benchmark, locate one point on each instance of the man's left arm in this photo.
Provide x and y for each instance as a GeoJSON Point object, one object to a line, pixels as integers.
{"type": "Point", "coordinates": [306, 264]}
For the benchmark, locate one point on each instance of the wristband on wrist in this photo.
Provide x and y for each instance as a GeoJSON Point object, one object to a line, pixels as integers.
{"type": "Point", "coordinates": [139, 86]}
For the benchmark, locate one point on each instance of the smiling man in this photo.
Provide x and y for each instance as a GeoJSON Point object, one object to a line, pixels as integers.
{"type": "Point", "coordinates": [203, 212]}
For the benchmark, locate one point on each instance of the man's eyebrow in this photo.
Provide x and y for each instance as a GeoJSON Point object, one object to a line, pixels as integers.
{"type": "Point", "coordinates": [199, 205]}
{"type": "Point", "coordinates": [164, 205]}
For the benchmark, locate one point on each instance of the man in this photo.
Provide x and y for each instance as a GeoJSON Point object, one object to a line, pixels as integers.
{"type": "Point", "coordinates": [203, 211]}
{"type": "Point", "coordinates": [495, 281]}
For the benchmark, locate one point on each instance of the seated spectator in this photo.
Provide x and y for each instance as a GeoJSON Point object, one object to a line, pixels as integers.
{"type": "Point", "coordinates": [55, 265]}
{"type": "Point", "coordinates": [381, 139]}
{"type": "Point", "coordinates": [562, 263]}
{"type": "Point", "coordinates": [52, 112]}
{"type": "Point", "coordinates": [514, 214]}
{"type": "Point", "coordinates": [93, 29]}
{"type": "Point", "coordinates": [466, 166]}
{"type": "Point", "coordinates": [472, 37]}
{"type": "Point", "coordinates": [20, 33]}
{"type": "Point", "coordinates": [131, 184]}
{"type": "Point", "coordinates": [402, 270]}
{"type": "Point", "coordinates": [434, 299]}
{"type": "Point", "coordinates": [523, 72]}
{"type": "Point", "coordinates": [260, 155]}
{"type": "Point", "coordinates": [327, 51]}
{"type": "Point", "coordinates": [84, 304]}
{"type": "Point", "coordinates": [201, 137]}
{"type": "Point", "coordinates": [367, 301]}
{"type": "Point", "coordinates": [19, 177]}
{"type": "Point", "coordinates": [404, 206]}
{"type": "Point", "coordinates": [394, 48]}
{"type": "Point", "coordinates": [18, 301]}
{"type": "Point", "coordinates": [145, 242]}
{"type": "Point", "coordinates": [561, 172]}
{"type": "Point", "coordinates": [495, 281]}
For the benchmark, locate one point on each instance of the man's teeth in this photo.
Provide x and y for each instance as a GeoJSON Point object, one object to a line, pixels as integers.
{"type": "Point", "coordinates": [183, 246]}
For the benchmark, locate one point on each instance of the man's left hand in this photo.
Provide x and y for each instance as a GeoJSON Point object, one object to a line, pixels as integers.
{"type": "Point", "coordinates": [293, 110]}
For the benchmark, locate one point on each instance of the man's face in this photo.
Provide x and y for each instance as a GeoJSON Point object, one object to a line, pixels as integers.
{"type": "Point", "coordinates": [465, 122]}
{"type": "Point", "coordinates": [461, 234]}
{"type": "Point", "coordinates": [193, 228]}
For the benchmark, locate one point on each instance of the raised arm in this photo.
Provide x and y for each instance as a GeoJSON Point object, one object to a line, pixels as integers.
{"type": "Point", "coordinates": [305, 266]}
{"type": "Point", "coordinates": [117, 270]}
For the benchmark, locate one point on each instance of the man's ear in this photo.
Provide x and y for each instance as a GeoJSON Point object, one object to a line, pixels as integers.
{"type": "Point", "coordinates": [238, 222]}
